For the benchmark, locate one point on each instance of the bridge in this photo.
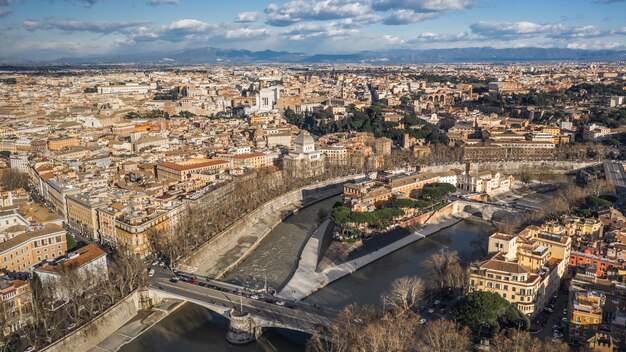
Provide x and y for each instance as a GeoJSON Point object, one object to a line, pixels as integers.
{"type": "Point", "coordinates": [247, 316]}
{"type": "Point", "coordinates": [487, 210]}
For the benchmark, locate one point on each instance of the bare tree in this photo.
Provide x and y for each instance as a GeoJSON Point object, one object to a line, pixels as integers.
{"type": "Point", "coordinates": [405, 293]}
{"type": "Point", "coordinates": [521, 341]}
{"type": "Point", "coordinates": [443, 336]}
{"type": "Point", "coordinates": [445, 270]}
{"type": "Point", "coordinates": [13, 179]}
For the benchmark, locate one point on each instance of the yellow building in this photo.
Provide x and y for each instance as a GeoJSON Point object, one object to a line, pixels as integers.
{"type": "Point", "coordinates": [16, 300]}
{"type": "Point", "coordinates": [184, 170]}
{"type": "Point", "coordinates": [251, 160]}
{"type": "Point", "coordinates": [524, 269]}
{"type": "Point", "coordinates": [64, 142]}
{"type": "Point", "coordinates": [131, 229]}
{"type": "Point", "coordinates": [25, 250]}
{"type": "Point", "coordinates": [585, 315]}
{"type": "Point", "coordinates": [82, 216]}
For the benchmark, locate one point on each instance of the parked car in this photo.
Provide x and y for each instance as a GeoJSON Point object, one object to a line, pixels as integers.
{"type": "Point", "coordinates": [431, 310]}
{"type": "Point", "coordinates": [254, 296]}
{"type": "Point", "coordinates": [280, 303]}
{"type": "Point", "coordinates": [436, 302]}
{"type": "Point", "coordinates": [150, 272]}
{"type": "Point", "coordinates": [422, 321]}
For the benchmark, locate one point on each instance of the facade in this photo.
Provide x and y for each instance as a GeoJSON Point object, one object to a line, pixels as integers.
{"type": "Point", "coordinates": [525, 269]}
{"type": "Point", "coordinates": [484, 182]}
{"type": "Point", "coordinates": [304, 161]}
{"type": "Point", "coordinates": [182, 171]}
{"type": "Point", "coordinates": [585, 315]}
{"type": "Point", "coordinates": [88, 263]}
{"type": "Point", "coordinates": [16, 300]}
{"type": "Point", "coordinates": [82, 216]}
{"type": "Point", "coordinates": [24, 251]}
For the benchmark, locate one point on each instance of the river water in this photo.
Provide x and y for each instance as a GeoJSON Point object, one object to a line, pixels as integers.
{"type": "Point", "coordinates": [192, 328]}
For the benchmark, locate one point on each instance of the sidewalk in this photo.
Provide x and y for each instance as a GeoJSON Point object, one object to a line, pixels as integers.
{"type": "Point", "coordinates": [307, 280]}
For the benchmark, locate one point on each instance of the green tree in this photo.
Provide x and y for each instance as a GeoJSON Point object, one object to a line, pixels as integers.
{"type": "Point", "coordinates": [71, 243]}
{"type": "Point", "coordinates": [489, 310]}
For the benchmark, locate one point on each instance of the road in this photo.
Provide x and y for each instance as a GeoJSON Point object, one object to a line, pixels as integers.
{"type": "Point", "coordinates": [292, 315]}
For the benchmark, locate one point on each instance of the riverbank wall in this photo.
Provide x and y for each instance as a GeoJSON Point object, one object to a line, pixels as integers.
{"type": "Point", "coordinates": [92, 333]}
{"type": "Point", "coordinates": [514, 167]}
{"type": "Point", "coordinates": [230, 247]}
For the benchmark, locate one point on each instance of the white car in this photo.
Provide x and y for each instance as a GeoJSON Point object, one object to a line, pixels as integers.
{"type": "Point", "coordinates": [437, 302]}
{"type": "Point", "coordinates": [422, 321]}
{"type": "Point", "coordinates": [431, 311]}
{"type": "Point", "coordinates": [150, 272]}
{"type": "Point", "coordinates": [280, 303]}
{"type": "Point", "coordinates": [254, 296]}
{"type": "Point", "coordinates": [155, 263]}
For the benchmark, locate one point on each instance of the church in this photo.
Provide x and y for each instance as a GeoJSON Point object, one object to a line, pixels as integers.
{"type": "Point", "coordinates": [304, 160]}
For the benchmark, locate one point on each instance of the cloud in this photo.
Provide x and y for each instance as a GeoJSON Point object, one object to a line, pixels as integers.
{"type": "Point", "coordinates": [6, 2]}
{"type": "Point", "coordinates": [86, 3]}
{"type": "Point", "coordinates": [421, 5]}
{"type": "Point", "coordinates": [5, 11]}
{"type": "Point", "coordinates": [316, 30]}
{"type": "Point", "coordinates": [530, 29]}
{"type": "Point", "coordinates": [103, 27]}
{"type": "Point", "coordinates": [247, 17]}
{"type": "Point", "coordinates": [163, 2]}
{"type": "Point", "coordinates": [246, 33]}
{"type": "Point", "coordinates": [296, 11]}
{"type": "Point", "coordinates": [400, 17]}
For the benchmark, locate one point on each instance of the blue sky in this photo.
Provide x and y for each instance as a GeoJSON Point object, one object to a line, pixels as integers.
{"type": "Point", "coordinates": [46, 29]}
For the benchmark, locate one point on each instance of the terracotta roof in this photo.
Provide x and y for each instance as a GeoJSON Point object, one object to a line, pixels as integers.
{"type": "Point", "coordinates": [497, 264]}
{"type": "Point", "coordinates": [27, 236]}
{"type": "Point", "coordinates": [180, 167]}
{"type": "Point", "coordinates": [248, 155]}
{"type": "Point", "coordinates": [86, 255]}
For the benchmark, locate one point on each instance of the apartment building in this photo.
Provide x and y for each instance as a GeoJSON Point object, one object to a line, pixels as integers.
{"type": "Point", "coordinates": [525, 269]}
{"type": "Point", "coordinates": [585, 315]}
{"type": "Point", "coordinates": [16, 301]}
{"type": "Point", "coordinates": [82, 215]}
{"type": "Point", "coordinates": [184, 170]}
{"type": "Point", "coordinates": [23, 251]}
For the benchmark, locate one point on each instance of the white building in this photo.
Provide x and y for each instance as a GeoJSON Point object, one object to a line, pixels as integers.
{"type": "Point", "coordinates": [266, 99]}
{"type": "Point", "coordinates": [304, 160]}
{"type": "Point", "coordinates": [88, 264]}
{"type": "Point", "coordinates": [19, 162]}
{"type": "Point", "coordinates": [128, 88]}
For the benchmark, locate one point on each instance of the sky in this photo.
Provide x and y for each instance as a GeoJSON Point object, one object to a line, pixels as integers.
{"type": "Point", "coordinates": [49, 29]}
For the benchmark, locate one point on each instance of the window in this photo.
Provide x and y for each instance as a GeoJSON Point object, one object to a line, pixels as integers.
{"type": "Point", "coordinates": [506, 287]}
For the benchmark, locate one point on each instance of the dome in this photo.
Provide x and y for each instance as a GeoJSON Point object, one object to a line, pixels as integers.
{"type": "Point", "coordinates": [258, 133]}
{"type": "Point", "coordinates": [304, 138]}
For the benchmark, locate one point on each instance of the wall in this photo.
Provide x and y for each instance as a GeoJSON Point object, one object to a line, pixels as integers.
{"type": "Point", "coordinates": [103, 326]}
{"type": "Point", "coordinates": [231, 236]}
{"type": "Point", "coordinates": [559, 167]}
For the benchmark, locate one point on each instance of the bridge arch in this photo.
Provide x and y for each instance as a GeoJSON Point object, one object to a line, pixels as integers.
{"type": "Point", "coordinates": [502, 215]}
{"type": "Point", "coordinates": [474, 211]}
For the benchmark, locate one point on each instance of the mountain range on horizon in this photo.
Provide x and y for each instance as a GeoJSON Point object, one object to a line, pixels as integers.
{"type": "Point", "coordinates": [210, 55]}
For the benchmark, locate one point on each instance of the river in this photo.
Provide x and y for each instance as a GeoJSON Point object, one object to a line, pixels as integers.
{"type": "Point", "coordinates": [192, 328]}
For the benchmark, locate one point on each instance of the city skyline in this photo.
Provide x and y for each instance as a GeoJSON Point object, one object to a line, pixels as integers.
{"type": "Point", "coordinates": [38, 30]}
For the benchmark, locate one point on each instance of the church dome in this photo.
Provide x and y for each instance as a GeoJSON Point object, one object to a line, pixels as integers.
{"type": "Point", "coordinates": [304, 138]}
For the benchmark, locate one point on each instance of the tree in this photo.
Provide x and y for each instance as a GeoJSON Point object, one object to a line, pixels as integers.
{"type": "Point", "coordinates": [442, 336]}
{"type": "Point", "coordinates": [71, 243]}
{"type": "Point", "coordinates": [13, 179]}
{"type": "Point", "coordinates": [445, 270]}
{"type": "Point", "coordinates": [405, 293]}
{"type": "Point", "coordinates": [488, 309]}
{"type": "Point", "coordinates": [521, 341]}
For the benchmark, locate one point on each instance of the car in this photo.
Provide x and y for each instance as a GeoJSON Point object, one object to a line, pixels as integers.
{"type": "Point", "coordinates": [280, 303]}
{"type": "Point", "coordinates": [29, 349]}
{"type": "Point", "coordinates": [155, 263]}
{"type": "Point", "coordinates": [442, 311]}
{"type": "Point", "coordinates": [564, 319]}
{"type": "Point", "coordinates": [192, 281]}
{"type": "Point", "coordinates": [203, 284]}
{"type": "Point", "coordinates": [431, 311]}
{"type": "Point", "coordinates": [71, 326]}
{"type": "Point", "coordinates": [95, 311]}
{"type": "Point", "coordinates": [436, 302]}
{"type": "Point", "coordinates": [422, 321]}
{"type": "Point", "coordinates": [254, 296]}
{"type": "Point", "coordinates": [150, 272]}
{"type": "Point", "coordinates": [548, 310]}
{"type": "Point", "coordinates": [421, 309]}
{"type": "Point", "coordinates": [174, 278]}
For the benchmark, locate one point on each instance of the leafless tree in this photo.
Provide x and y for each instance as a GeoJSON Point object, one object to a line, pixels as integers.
{"type": "Point", "coordinates": [443, 336]}
{"type": "Point", "coordinates": [405, 293]}
{"type": "Point", "coordinates": [13, 179]}
{"type": "Point", "coordinates": [445, 270]}
{"type": "Point", "coordinates": [521, 341]}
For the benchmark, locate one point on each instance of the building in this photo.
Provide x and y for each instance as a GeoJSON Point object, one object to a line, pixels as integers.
{"type": "Point", "coordinates": [525, 269]}
{"type": "Point", "coordinates": [24, 251]}
{"type": "Point", "coordinates": [304, 160]}
{"type": "Point", "coordinates": [596, 132]}
{"type": "Point", "coordinates": [508, 150]}
{"type": "Point", "coordinates": [484, 181]}
{"type": "Point", "coordinates": [185, 170]}
{"type": "Point", "coordinates": [128, 88]}
{"type": "Point", "coordinates": [87, 264]}
{"type": "Point", "coordinates": [266, 99]}
{"type": "Point", "coordinates": [82, 215]}
{"type": "Point", "coordinates": [16, 300]}
{"type": "Point", "coordinates": [251, 160]}
{"type": "Point", "coordinates": [585, 315]}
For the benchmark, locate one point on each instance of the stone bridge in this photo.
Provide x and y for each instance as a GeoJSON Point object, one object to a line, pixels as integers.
{"type": "Point", "coordinates": [248, 317]}
{"type": "Point", "coordinates": [485, 210]}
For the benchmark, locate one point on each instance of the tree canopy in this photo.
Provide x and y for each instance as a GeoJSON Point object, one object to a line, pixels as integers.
{"type": "Point", "coordinates": [491, 311]}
